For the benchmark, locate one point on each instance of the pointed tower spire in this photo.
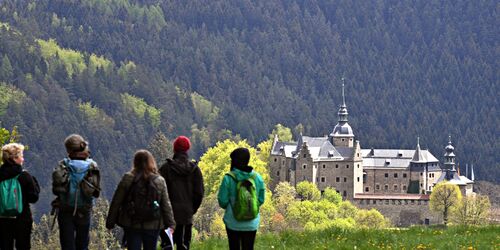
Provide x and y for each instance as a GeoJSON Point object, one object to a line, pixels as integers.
{"type": "Point", "coordinates": [343, 108]}
{"type": "Point", "coordinates": [472, 172]}
{"type": "Point", "coordinates": [343, 93]}
{"type": "Point", "coordinates": [467, 170]}
{"type": "Point", "coordinates": [449, 155]}
{"type": "Point", "coordinates": [418, 156]}
{"type": "Point", "coordinates": [342, 134]}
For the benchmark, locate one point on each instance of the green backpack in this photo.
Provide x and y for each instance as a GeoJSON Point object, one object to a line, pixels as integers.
{"type": "Point", "coordinates": [246, 205]}
{"type": "Point", "coordinates": [11, 197]}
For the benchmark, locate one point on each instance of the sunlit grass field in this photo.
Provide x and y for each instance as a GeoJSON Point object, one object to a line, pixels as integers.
{"type": "Point", "coordinates": [487, 237]}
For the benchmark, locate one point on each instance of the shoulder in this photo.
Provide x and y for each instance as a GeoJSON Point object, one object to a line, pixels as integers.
{"type": "Point", "coordinates": [25, 175]}
{"type": "Point", "coordinates": [158, 179]}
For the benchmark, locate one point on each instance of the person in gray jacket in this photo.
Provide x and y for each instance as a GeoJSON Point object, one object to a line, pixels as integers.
{"type": "Point", "coordinates": [141, 205]}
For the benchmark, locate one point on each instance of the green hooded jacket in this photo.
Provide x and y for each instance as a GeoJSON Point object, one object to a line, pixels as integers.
{"type": "Point", "coordinates": [227, 196]}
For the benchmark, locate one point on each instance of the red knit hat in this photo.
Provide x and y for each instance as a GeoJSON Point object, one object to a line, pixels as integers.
{"type": "Point", "coordinates": [181, 144]}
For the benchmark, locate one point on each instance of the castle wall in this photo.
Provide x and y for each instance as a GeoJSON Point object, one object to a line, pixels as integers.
{"type": "Point", "coordinates": [401, 213]}
{"type": "Point", "coordinates": [387, 181]}
{"type": "Point", "coordinates": [338, 175]}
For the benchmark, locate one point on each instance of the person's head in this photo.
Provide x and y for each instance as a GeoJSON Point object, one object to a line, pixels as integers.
{"type": "Point", "coordinates": [240, 157]}
{"type": "Point", "coordinates": [13, 153]}
{"type": "Point", "coordinates": [181, 144]}
{"type": "Point", "coordinates": [76, 146]}
{"type": "Point", "coordinates": [144, 163]}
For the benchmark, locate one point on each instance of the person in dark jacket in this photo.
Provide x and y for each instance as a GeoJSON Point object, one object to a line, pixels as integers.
{"type": "Point", "coordinates": [17, 228]}
{"type": "Point", "coordinates": [139, 231]}
{"type": "Point", "coordinates": [73, 205]}
{"type": "Point", "coordinates": [185, 189]}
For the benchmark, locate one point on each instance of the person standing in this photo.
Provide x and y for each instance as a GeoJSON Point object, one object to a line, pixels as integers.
{"type": "Point", "coordinates": [141, 204]}
{"type": "Point", "coordinates": [17, 228]}
{"type": "Point", "coordinates": [241, 222]}
{"type": "Point", "coordinates": [185, 189]}
{"type": "Point", "coordinates": [75, 182]}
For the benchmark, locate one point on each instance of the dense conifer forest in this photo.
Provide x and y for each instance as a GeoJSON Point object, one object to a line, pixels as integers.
{"type": "Point", "coordinates": [131, 74]}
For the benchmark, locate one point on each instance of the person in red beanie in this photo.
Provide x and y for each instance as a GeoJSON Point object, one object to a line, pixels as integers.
{"type": "Point", "coordinates": [185, 189]}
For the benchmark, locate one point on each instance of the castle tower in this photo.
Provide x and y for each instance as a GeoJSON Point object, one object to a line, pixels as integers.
{"type": "Point", "coordinates": [342, 135]}
{"type": "Point", "coordinates": [449, 160]}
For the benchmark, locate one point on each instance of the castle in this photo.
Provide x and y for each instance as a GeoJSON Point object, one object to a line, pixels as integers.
{"type": "Point", "coordinates": [390, 178]}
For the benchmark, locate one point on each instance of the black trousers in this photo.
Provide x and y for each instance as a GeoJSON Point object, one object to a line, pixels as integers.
{"type": "Point", "coordinates": [15, 230]}
{"type": "Point", "coordinates": [240, 240]}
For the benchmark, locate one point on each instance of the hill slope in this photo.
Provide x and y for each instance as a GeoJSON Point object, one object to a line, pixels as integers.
{"type": "Point", "coordinates": [210, 71]}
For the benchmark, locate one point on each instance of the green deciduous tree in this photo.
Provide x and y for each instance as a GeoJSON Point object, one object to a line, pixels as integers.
{"type": "Point", "coordinates": [370, 219]}
{"type": "Point", "coordinates": [445, 197]}
{"type": "Point", "coordinates": [331, 195]}
{"type": "Point", "coordinates": [308, 191]}
{"type": "Point", "coordinates": [472, 210]}
{"type": "Point", "coordinates": [216, 162]}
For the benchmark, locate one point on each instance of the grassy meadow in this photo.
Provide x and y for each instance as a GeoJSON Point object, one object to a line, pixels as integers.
{"type": "Point", "coordinates": [487, 237]}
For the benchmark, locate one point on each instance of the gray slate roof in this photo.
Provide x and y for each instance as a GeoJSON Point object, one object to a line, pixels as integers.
{"type": "Point", "coordinates": [320, 148]}
{"type": "Point", "coordinates": [397, 158]}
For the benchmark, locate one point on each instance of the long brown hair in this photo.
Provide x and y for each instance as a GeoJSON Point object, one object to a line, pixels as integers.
{"type": "Point", "coordinates": [144, 164]}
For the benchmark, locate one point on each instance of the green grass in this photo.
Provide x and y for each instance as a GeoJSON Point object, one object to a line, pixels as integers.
{"type": "Point", "coordinates": [487, 237]}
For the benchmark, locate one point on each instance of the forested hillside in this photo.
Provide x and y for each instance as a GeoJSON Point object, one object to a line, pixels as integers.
{"type": "Point", "coordinates": [128, 73]}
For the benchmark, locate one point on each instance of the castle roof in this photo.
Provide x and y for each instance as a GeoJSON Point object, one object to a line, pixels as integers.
{"type": "Point", "coordinates": [397, 158]}
{"type": "Point", "coordinates": [319, 148]}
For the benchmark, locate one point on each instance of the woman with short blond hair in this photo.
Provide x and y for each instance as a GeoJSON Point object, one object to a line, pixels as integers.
{"type": "Point", "coordinates": [17, 228]}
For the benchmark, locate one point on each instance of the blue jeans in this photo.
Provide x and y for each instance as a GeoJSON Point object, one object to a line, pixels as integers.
{"type": "Point", "coordinates": [74, 230]}
{"type": "Point", "coordinates": [135, 238]}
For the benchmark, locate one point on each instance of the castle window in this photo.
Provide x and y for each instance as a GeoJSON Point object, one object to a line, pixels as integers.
{"type": "Point", "coordinates": [358, 179]}
{"type": "Point", "coordinates": [345, 179]}
{"type": "Point", "coordinates": [283, 162]}
{"type": "Point", "coordinates": [377, 187]}
{"type": "Point", "coordinates": [337, 179]}
{"type": "Point", "coordinates": [342, 139]}
{"type": "Point", "coordinates": [304, 166]}
{"type": "Point", "coordinates": [367, 189]}
{"type": "Point", "coordinates": [358, 156]}
{"type": "Point", "coordinates": [277, 173]}
{"type": "Point", "coordinates": [345, 193]}
{"type": "Point", "coordinates": [386, 175]}
{"type": "Point", "coordinates": [404, 187]}
{"type": "Point", "coordinates": [347, 166]}
{"type": "Point", "coordinates": [386, 187]}
{"type": "Point", "coordinates": [305, 155]}
{"type": "Point", "coordinates": [420, 174]}
{"type": "Point", "coordinates": [395, 187]}
{"type": "Point", "coordinates": [421, 184]}
{"type": "Point", "coordinates": [323, 179]}
{"type": "Point", "coordinates": [395, 175]}
{"type": "Point", "coordinates": [374, 202]}
{"type": "Point", "coordinates": [336, 165]}
{"type": "Point", "coordinates": [404, 175]}
{"type": "Point", "coordinates": [358, 164]}
{"type": "Point", "coordinates": [275, 159]}
{"type": "Point", "coordinates": [324, 166]}
{"type": "Point", "coordinates": [338, 192]}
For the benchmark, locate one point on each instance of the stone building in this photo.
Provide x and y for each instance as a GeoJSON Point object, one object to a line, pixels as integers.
{"type": "Point", "coordinates": [387, 179]}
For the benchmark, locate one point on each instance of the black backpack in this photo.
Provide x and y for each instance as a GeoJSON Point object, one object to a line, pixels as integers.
{"type": "Point", "coordinates": [143, 201]}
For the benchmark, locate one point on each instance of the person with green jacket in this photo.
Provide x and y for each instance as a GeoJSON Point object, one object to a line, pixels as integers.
{"type": "Point", "coordinates": [240, 233]}
{"type": "Point", "coordinates": [141, 204]}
